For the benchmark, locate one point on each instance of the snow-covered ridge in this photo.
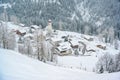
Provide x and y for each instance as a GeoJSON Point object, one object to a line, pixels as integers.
{"type": "Point", "coordinates": [14, 66]}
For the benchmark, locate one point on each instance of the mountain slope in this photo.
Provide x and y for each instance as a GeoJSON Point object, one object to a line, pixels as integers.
{"type": "Point", "coordinates": [72, 15]}
{"type": "Point", "coordinates": [14, 66]}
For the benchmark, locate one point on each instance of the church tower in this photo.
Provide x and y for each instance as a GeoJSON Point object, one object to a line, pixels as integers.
{"type": "Point", "coordinates": [50, 24]}
{"type": "Point", "coordinates": [49, 27]}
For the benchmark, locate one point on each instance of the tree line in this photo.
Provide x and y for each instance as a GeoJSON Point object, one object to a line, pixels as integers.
{"type": "Point", "coordinates": [72, 15]}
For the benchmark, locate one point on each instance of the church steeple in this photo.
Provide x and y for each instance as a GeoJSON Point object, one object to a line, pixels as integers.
{"type": "Point", "coordinates": [50, 23]}
{"type": "Point", "coordinates": [49, 27]}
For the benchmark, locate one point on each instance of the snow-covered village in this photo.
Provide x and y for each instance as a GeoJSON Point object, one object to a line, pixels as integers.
{"type": "Point", "coordinates": [73, 44]}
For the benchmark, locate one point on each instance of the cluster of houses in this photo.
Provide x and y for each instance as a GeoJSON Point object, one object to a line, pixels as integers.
{"type": "Point", "coordinates": [67, 44]}
{"type": "Point", "coordinates": [64, 44]}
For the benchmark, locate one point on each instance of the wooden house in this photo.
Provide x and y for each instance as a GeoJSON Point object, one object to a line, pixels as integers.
{"type": "Point", "coordinates": [74, 44]}
{"type": "Point", "coordinates": [64, 49]}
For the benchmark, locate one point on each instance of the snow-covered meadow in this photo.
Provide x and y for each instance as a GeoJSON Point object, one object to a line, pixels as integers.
{"type": "Point", "coordinates": [14, 66]}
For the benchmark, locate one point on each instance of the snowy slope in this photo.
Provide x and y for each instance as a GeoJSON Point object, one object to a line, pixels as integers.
{"type": "Point", "coordinates": [86, 63]}
{"type": "Point", "coordinates": [14, 66]}
{"type": "Point", "coordinates": [82, 62]}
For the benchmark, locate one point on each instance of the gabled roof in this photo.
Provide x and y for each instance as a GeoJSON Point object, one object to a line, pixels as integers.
{"type": "Point", "coordinates": [64, 46]}
{"type": "Point", "coordinates": [74, 43]}
{"type": "Point", "coordinates": [35, 26]}
{"type": "Point", "coordinates": [56, 39]}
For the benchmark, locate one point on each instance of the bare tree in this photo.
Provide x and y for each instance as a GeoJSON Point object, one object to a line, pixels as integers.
{"type": "Point", "coordinates": [100, 34]}
{"type": "Point", "coordinates": [37, 43]}
{"type": "Point", "coordinates": [28, 47]}
{"type": "Point", "coordinates": [21, 48]}
{"type": "Point", "coordinates": [84, 48]}
{"type": "Point", "coordinates": [0, 34]}
{"type": "Point", "coordinates": [111, 34]}
{"type": "Point", "coordinates": [117, 60]}
{"type": "Point", "coordinates": [116, 44]}
{"type": "Point", "coordinates": [4, 36]}
{"type": "Point", "coordinates": [4, 30]}
{"type": "Point", "coordinates": [40, 45]}
{"type": "Point", "coordinates": [11, 41]}
{"type": "Point", "coordinates": [106, 62]}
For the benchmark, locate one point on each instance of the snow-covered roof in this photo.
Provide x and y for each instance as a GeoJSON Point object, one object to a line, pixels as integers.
{"type": "Point", "coordinates": [74, 42]}
{"type": "Point", "coordinates": [22, 30]}
{"type": "Point", "coordinates": [28, 35]}
{"type": "Point", "coordinates": [35, 26]}
{"type": "Point", "coordinates": [12, 26]}
{"type": "Point", "coordinates": [64, 46]}
{"type": "Point", "coordinates": [22, 24]}
{"type": "Point", "coordinates": [55, 39]}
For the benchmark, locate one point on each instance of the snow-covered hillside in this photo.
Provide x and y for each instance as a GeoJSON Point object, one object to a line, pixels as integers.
{"type": "Point", "coordinates": [14, 66]}
{"type": "Point", "coordinates": [84, 62]}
